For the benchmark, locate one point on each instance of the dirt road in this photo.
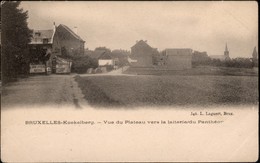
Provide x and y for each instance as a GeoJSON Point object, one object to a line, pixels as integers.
{"type": "Point", "coordinates": [53, 90]}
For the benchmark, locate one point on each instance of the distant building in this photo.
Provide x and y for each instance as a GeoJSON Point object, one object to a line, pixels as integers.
{"type": "Point", "coordinates": [143, 54]}
{"type": "Point", "coordinates": [222, 57]}
{"type": "Point", "coordinates": [97, 52]}
{"type": "Point", "coordinates": [178, 59]}
{"type": "Point", "coordinates": [255, 57]}
{"type": "Point", "coordinates": [226, 53]}
{"type": "Point", "coordinates": [255, 54]}
{"type": "Point", "coordinates": [105, 59]}
{"type": "Point", "coordinates": [200, 58]}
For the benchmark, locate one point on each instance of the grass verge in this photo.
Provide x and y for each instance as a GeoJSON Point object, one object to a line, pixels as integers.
{"type": "Point", "coordinates": [95, 95]}
{"type": "Point", "coordinates": [152, 90]}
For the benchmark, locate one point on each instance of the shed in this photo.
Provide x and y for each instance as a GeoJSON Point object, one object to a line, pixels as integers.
{"type": "Point", "coordinates": [105, 59]}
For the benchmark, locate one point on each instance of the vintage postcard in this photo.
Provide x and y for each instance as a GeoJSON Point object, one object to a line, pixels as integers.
{"type": "Point", "coordinates": [129, 81]}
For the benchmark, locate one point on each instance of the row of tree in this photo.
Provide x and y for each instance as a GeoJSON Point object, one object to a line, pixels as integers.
{"type": "Point", "coordinates": [80, 62]}
{"type": "Point", "coordinates": [205, 60]}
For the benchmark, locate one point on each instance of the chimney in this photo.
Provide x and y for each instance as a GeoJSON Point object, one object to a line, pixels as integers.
{"type": "Point", "coordinates": [54, 26]}
{"type": "Point", "coordinates": [54, 31]}
{"type": "Point", "coordinates": [75, 30]}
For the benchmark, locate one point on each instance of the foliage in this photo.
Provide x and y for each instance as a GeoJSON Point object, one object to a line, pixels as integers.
{"type": "Point", "coordinates": [236, 62]}
{"type": "Point", "coordinates": [102, 48]}
{"type": "Point", "coordinates": [80, 64]}
{"type": "Point", "coordinates": [121, 55]}
{"type": "Point", "coordinates": [255, 62]}
{"type": "Point", "coordinates": [15, 38]}
{"type": "Point", "coordinates": [39, 55]}
{"type": "Point", "coordinates": [200, 58]}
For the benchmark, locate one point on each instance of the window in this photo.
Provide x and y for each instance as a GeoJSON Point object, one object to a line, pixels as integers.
{"type": "Point", "coordinates": [37, 34]}
{"type": "Point", "coordinates": [45, 41]}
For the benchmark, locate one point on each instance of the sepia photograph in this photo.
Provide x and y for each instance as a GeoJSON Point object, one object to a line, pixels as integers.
{"type": "Point", "coordinates": [143, 81]}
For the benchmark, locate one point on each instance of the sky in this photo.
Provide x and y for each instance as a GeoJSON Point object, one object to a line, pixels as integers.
{"type": "Point", "coordinates": [202, 26]}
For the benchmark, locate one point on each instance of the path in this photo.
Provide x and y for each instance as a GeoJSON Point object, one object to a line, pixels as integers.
{"type": "Point", "coordinates": [51, 90]}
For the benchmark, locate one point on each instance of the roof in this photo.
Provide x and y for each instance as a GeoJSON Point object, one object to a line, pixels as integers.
{"type": "Point", "coordinates": [105, 55]}
{"type": "Point", "coordinates": [141, 43]}
{"type": "Point", "coordinates": [60, 59]}
{"type": "Point", "coordinates": [184, 51]}
{"type": "Point", "coordinates": [226, 48]}
{"type": "Point", "coordinates": [39, 35]}
{"type": "Point", "coordinates": [220, 57]}
{"type": "Point", "coordinates": [95, 54]}
{"type": "Point", "coordinates": [71, 32]}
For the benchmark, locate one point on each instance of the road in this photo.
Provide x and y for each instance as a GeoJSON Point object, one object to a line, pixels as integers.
{"type": "Point", "coordinates": [51, 90]}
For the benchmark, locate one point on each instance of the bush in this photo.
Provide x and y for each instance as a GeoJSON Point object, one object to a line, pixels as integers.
{"type": "Point", "coordinates": [80, 64]}
{"type": "Point", "coordinates": [236, 63]}
{"type": "Point", "coordinates": [239, 63]}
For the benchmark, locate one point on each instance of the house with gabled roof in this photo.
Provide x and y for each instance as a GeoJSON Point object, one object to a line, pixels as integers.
{"type": "Point", "coordinates": [41, 49]}
{"type": "Point", "coordinates": [67, 42]}
{"type": "Point", "coordinates": [143, 54]}
{"type": "Point", "coordinates": [106, 59]}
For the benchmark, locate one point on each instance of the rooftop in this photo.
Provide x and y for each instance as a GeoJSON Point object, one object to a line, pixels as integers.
{"type": "Point", "coordinates": [42, 36]}
{"type": "Point", "coordinates": [179, 51]}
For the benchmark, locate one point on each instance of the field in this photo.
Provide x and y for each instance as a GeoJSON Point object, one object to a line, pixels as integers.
{"type": "Point", "coordinates": [169, 90]}
{"type": "Point", "coordinates": [200, 70]}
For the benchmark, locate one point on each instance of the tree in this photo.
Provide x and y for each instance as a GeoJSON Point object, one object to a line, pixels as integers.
{"type": "Point", "coordinates": [102, 49]}
{"type": "Point", "coordinates": [15, 39]}
{"type": "Point", "coordinates": [80, 64]}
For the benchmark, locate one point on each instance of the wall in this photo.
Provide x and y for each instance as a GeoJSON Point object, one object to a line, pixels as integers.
{"type": "Point", "coordinates": [142, 61]}
{"type": "Point", "coordinates": [178, 62]}
{"type": "Point", "coordinates": [143, 54]}
{"type": "Point", "coordinates": [104, 62]}
{"type": "Point", "coordinates": [62, 38]}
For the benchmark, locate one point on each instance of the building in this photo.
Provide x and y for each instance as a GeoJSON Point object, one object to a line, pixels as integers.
{"type": "Point", "coordinates": [105, 60]}
{"type": "Point", "coordinates": [52, 48]}
{"type": "Point", "coordinates": [200, 58]}
{"type": "Point", "coordinates": [67, 42]}
{"type": "Point", "coordinates": [255, 57]}
{"type": "Point", "coordinates": [226, 53]}
{"type": "Point", "coordinates": [143, 54]}
{"type": "Point", "coordinates": [255, 54]}
{"type": "Point", "coordinates": [41, 49]}
{"type": "Point", "coordinates": [177, 59]}
{"type": "Point", "coordinates": [224, 57]}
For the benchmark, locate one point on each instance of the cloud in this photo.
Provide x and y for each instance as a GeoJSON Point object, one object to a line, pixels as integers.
{"type": "Point", "coordinates": [205, 26]}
